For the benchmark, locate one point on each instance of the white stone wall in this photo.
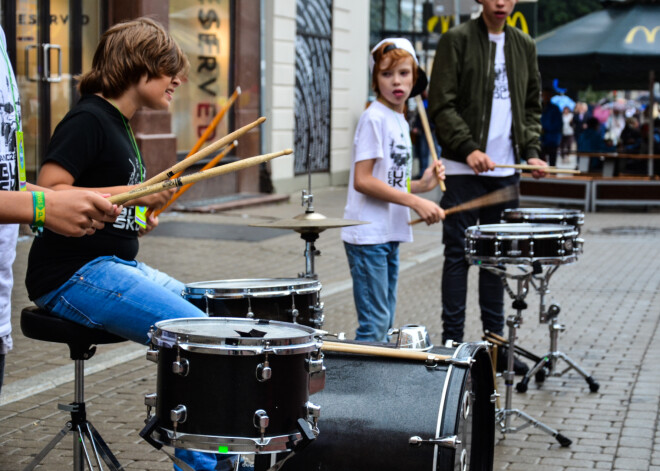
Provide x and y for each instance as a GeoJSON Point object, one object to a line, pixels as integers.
{"type": "Point", "coordinates": [350, 42]}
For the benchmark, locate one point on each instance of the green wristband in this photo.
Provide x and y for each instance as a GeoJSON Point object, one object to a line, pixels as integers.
{"type": "Point", "coordinates": [39, 209]}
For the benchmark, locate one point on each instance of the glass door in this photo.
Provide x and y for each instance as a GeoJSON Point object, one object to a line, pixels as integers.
{"type": "Point", "coordinates": [52, 40]}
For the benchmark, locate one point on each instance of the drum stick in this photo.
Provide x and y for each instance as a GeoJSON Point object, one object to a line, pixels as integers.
{"type": "Point", "coordinates": [502, 342]}
{"type": "Point", "coordinates": [211, 148]}
{"type": "Point", "coordinates": [538, 167]}
{"type": "Point", "coordinates": [195, 177]}
{"type": "Point", "coordinates": [498, 196]}
{"type": "Point", "coordinates": [429, 137]}
{"type": "Point", "coordinates": [212, 163]}
{"type": "Point", "coordinates": [404, 353]}
{"type": "Point", "coordinates": [202, 139]}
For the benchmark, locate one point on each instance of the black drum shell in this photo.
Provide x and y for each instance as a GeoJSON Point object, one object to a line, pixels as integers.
{"type": "Point", "coordinates": [371, 407]}
{"type": "Point", "coordinates": [273, 306]}
{"type": "Point", "coordinates": [221, 393]}
{"type": "Point", "coordinates": [522, 243]}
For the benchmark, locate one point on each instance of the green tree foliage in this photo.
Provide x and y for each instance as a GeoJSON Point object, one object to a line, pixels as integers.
{"type": "Point", "coordinates": [554, 13]}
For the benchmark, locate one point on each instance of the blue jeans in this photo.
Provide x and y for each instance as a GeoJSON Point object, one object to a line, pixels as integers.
{"type": "Point", "coordinates": [205, 461]}
{"type": "Point", "coordinates": [126, 298]}
{"type": "Point", "coordinates": [462, 188]}
{"type": "Point", "coordinates": [375, 272]}
{"type": "Point", "coordinates": [123, 297]}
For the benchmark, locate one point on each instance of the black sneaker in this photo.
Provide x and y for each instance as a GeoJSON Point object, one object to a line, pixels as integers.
{"type": "Point", "coordinates": [519, 367]}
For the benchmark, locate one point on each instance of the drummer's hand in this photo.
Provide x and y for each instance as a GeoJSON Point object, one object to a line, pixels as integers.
{"type": "Point", "coordinates": [155, 200]}
{"type": "Point", "coordinates": [152, 223]}
{"type": "Point", "coordinates": [428, 210]}
{"type": "Point", "coordinates": [479, 162]}
{"type": "Point", "coordinates": [538, 173]}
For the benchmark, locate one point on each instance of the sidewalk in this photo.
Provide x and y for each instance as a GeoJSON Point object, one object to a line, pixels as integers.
{"type": "Point", "coordinates": [610, 304]}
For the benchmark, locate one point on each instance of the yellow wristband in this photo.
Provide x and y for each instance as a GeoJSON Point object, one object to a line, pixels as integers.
{"type": "Point", "coordinates": [39, 208]}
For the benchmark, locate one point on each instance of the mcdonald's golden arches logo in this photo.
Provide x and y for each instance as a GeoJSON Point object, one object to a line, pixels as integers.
{"type": "Point", "coordinates": [649, 35]}
{"type": "Point", "coordinates": [518, 17]}
{"type": "Point", "coordinates": [447, 21]}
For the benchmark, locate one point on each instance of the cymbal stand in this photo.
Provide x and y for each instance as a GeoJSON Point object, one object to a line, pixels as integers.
{"type": "Point", "coordinates": [503, 416]}
{"type": "Point", "coordinates": [309, 236]}
{"type": "Point", "coordinates": [549, 316]}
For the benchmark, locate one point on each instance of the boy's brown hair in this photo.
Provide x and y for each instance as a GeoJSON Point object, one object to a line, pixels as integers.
{"type": "Point", "coordinates": [389, 56]}
{"type": "Point", "coordinates": [129, 50]}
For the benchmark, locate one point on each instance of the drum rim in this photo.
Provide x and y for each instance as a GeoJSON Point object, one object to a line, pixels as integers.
{"type": "Point", "coordinates": [498, 230]}
{"type": "Point", "coordinates": [286, 286]}
{"type": "Point", "coordinates": [562, 212]}
{"type": "Point", "coordinates": [307, 341]}
{"type": "Point", "coordinates": [237, 445]}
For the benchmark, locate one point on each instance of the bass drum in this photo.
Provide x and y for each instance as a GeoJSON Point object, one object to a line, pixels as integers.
{"type": "Point", "coordinates": [375, 409]}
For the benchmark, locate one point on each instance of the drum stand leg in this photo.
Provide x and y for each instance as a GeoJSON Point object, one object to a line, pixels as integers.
{"type": "Point", "coordinates": [503, 416]}
{"type": "Point", "coordinates": [549, 360]}
{"type": "Point", "coordinates": [86, 440]}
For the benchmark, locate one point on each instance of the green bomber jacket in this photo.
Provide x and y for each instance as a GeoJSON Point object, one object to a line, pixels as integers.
{"type": "Point", "coordinates": [462, 84]}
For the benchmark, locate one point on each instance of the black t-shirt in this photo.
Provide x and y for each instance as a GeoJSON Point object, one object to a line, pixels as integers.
{"type": "Point", "coordinates": [93, 144]}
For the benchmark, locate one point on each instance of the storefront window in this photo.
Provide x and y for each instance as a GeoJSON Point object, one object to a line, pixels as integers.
{"type": "Point", "coordinates": [202, 30]}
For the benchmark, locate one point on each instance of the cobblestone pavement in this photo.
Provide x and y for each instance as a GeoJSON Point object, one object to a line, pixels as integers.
{"type": "Point", "coordinates": [610, 302]}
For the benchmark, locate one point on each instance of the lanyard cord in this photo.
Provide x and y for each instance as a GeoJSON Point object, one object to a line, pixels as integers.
{"type": "Point", "coordinates": [11, 86]}
{"type": "Point", "coordinates": [131, 136]}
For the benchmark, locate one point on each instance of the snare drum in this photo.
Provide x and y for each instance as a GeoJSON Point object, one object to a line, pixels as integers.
{"type": "Point", "coordinates": [571, 217]}
{"type": "Point", "coordinates": [391, 414]}
{"type": "Point", "coordinates": [232, 385]}
{"type": "Point", "coordinates": [522, 244]}
{"type": "Point", "coordinates": [294, 300]}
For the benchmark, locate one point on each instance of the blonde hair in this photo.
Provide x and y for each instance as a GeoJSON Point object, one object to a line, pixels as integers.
{"type": "Point", "coordinates": [129, 50]}
{"type": "Point", "coordinates": [389, 59]}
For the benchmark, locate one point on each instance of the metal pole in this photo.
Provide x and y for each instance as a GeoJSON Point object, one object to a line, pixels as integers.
{"type": "Point", "coordinates": [651, 106]}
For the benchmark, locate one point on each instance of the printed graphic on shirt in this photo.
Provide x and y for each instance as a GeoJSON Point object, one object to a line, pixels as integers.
{"type": "Point", "coordinates": [8, 128]}
{"type": "Point", "coordinates": [501, 91]}
{"type": "Point", "coordinates": [397, 174]}
{"type": "Point", "coordinates": [126, 220]}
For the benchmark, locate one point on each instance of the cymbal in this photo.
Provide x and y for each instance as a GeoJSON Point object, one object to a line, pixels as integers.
{"type": "Point", "coordinates": [309, 222]}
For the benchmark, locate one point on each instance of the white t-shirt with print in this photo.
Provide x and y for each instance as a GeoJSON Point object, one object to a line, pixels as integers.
{"type": "Point", "coordinates": [384, 135]}
{"type": "Point", "coordinates": [499, 146]}
{"type": "Point", "coordinates": [8, 182]}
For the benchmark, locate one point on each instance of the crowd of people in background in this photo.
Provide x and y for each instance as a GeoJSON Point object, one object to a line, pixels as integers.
{"type": "Point", "coordinates": [603, 127]}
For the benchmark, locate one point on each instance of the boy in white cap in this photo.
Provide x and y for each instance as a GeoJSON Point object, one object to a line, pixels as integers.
{"type": "Point", "coordinates": [380, 189]}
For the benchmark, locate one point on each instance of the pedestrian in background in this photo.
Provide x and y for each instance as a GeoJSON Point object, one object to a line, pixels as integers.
{"type": "Point", "coordinates": [551, 128]}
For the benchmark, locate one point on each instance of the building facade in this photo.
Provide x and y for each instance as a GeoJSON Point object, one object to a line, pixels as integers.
{"type": "Point", "coordinates": [302, 64]}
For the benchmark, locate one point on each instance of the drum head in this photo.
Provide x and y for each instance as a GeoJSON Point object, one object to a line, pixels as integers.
{"type": "Point", "coordinates": [256, 288]}
{"type": "Point", "coordinates": [228, 335]}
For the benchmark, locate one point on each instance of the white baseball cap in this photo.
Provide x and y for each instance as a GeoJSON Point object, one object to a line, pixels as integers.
{"type": "Point", "coordinates": [402, 43]}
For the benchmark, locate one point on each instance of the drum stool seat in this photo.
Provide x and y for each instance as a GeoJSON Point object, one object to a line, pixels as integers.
{"type": "Point", "coordinates": [40, 325]}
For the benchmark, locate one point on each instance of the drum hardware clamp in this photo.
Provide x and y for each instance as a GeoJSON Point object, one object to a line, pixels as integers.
{"type": "Point", "coordinates": [181, 366]}
{"type": "Point", "coordinates": [451, 441]}
{"type": "Point", "coordinates": [178, 415]}
{"type": "Point", "coordinates": [264, 371]}
{"type": "Point", "coordinates": [462, 363]}
{"type": "Point", "coordinates": [261, 421]}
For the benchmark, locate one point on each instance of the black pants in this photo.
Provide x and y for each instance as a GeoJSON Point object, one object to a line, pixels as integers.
{"type": "Point", "coordinates": [462, 188]}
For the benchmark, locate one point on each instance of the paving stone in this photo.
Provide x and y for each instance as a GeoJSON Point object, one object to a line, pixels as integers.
{"type": "Point", "coordinates": [608, 301]}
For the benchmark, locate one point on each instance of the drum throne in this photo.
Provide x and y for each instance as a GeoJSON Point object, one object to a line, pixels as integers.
{"type": "Point", "coordinates": [87, 442]}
